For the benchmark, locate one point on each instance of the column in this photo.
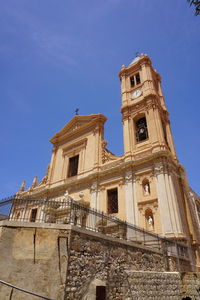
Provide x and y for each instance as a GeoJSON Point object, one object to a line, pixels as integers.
{"type": "Point", "coordinates": [93, 204]}
{"type": "Point", "coordinates": [130, 205]}
{"type": "Point", "coordinates": [163, 201]}
{"type": "Point", "coordinates": [179, 227]}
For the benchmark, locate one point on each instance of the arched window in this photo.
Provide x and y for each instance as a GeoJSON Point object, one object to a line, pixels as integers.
{"type": "Point", "coordinates": [141, 129]}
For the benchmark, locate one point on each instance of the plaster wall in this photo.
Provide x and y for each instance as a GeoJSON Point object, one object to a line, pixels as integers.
{"type": "Point", "coordinates": [30, 259]}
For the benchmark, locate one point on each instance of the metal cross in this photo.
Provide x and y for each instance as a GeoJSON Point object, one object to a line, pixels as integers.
{"type": "Point", "coordinates": [76, 111]}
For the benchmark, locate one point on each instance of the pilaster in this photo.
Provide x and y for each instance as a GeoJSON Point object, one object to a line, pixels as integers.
{"type": "Point", "coordinates": [168, 206]}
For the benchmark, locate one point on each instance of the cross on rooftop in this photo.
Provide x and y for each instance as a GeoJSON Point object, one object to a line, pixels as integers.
{"type": "Point", "coordinates": [77, 111]}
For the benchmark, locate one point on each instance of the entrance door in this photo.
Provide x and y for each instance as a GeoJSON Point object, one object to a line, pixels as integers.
{"type": "Point", "coordinates": [100, 292]}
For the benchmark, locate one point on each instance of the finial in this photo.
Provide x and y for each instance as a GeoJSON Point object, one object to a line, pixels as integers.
{"type": "Point", "coordinates": [66, 195]}
{"type": "Point", "coordinates": [81, 195]}
{"type": "Point", "coordinates": [76, 111]}
{"type": "Point", "coordinates": [34, 183]}
{"type": "Point", "coordinates": [22, 187]}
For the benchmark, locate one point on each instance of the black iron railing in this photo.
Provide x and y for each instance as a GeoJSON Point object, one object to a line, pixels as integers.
{"type": "Point", "coordinates": [69, 211]}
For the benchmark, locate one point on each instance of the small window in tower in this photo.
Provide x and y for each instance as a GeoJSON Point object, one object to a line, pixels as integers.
{"type": "Point", "coordinates": [33, 215]}
{"type": "Point", "coordinates": [73, 166]}
{"type": "Point", "coordinates": [135, 80]}
{"type": "Point", "coordinates": [141, 129]}
{"type": "Point", "coordinates": [137, 77]}
{"type": "Point", "coordinates": [132, 81]}
{"type": "Point", "coordinates": [112, 201]}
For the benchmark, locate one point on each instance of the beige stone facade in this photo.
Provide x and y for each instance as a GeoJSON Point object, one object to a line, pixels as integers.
{"type": "Point", "coordinates": [146, 186]}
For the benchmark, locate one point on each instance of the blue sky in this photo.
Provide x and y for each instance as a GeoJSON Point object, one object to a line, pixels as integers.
{"type": "Point", "coordinates": [59, 55]}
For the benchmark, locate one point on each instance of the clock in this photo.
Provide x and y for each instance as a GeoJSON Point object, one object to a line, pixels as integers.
{"type": "Point", "coordinates": [136, 93]}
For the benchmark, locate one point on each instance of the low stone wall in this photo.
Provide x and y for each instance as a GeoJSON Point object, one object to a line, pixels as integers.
{"type": "Point", "coordinates": [94, 261]}
{"type": "Point", "coordinates": [190, 285]}
{"type": "Point", "coordinates": [65, 262]}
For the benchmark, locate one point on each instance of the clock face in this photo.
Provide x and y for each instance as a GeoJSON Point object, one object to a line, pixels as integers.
{"type": "Point", "coordinates": [136, 93]}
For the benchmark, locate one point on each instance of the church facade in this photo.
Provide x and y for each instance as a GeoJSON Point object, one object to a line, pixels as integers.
{"type": "Point", "coordinates": [146, 186]}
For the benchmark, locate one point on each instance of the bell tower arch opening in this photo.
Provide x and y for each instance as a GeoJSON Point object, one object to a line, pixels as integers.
{"type": "Point", "coordinates": [141, 130]}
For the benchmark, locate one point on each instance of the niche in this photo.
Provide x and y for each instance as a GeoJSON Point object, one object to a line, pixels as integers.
{"type": "Point", "coordinates": [149, 219]}
{"type": "Point", "coordinates": [146, 187]}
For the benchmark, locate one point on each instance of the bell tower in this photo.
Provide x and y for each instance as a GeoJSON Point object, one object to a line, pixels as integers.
{"type": "Point", "coordinates": [155, 193]}
{"type": "Point", "coordinates": [145, 118]}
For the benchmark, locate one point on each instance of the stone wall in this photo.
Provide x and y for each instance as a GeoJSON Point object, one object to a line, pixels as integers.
{"type": "Point", "coordinates": [65, 262]}
{"type": "Point", "coordinates": [95, 261]}
{"type": "Point", "coordinates": [34, 259]}
{"type": "Point", "coordinates": [190, 285]}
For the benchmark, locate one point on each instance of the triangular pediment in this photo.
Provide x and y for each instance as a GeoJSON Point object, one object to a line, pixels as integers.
{"type": "Point", "coordinates": [77, 124]}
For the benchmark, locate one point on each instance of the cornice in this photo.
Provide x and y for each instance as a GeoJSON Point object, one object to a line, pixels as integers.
{"type": "Point", "coordinates": [66, 133]}
{"type": "Point", "coordinates": [119, 168]}
{"type": "Point", "coordinates": [125, 71]}
{"type": "Point", "coordinates": [150, 101]}
{"type": "Point", "coordinates": [78, 144]}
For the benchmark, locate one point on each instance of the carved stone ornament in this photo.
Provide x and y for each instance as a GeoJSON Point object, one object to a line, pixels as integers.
{"type": "Point", "coordinates": [106, 154]}
{"type": "Point", "coordinates": [102, 188]}
{"type": "Point", "coordinates": [34, 183]}
{"type": "Point", "coordinates": [128, 178]}
{"type": "Point", "coordinates": [148, 205]}
{"type": "Point", "coordinates": [121, 182]}
{"type": "Point", "coordinates": [159, 169]}
{"type": "Point", "coordinates": [75, 126]}
{"type": "Point", "coordinates": [66, 195]}
{"type": "Point", "coordinates": [81, 195]}
{"type": "Point", "coordinates": [94, 187]}
{"type": "Point", "coordinates": [75, 146]}
{"type": "Point", "coordinates": [96, 130]}
{"type": "Point", "coordinates": [137, 179]}
{"type": "Point", "coordinates": [45, 178]}
{"type": "Point", "coordinates": [22, 187]}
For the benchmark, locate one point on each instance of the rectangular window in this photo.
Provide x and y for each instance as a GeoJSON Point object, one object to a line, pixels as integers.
{"type": "Point", "coordinates": [132, 81]}
{"type": "Point", "coordinates": [135, 80]}
{"type": "Point", "coordinates": [100, 292]}
{"type": "Point", "coordinates": [33, 215]}
{"type": "Point", "coordinates": [112, 201]}
{"type": "Point", "coordinates": [73, 166]}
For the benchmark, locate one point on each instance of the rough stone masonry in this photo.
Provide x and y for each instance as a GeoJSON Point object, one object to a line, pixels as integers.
{"type": "Point", "coordinates": [66, 262]}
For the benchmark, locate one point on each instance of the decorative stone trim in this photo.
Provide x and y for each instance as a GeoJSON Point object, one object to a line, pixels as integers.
{"type": "Point", "coordinates": [80, 144]}
{"type": "Point", "coordinates": [148, 204]}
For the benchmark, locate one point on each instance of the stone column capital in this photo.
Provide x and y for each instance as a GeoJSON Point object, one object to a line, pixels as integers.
{"type": "Point", "coordinates": [94, 187]}
{"type": "Point", "coordinates": [128, 178]}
